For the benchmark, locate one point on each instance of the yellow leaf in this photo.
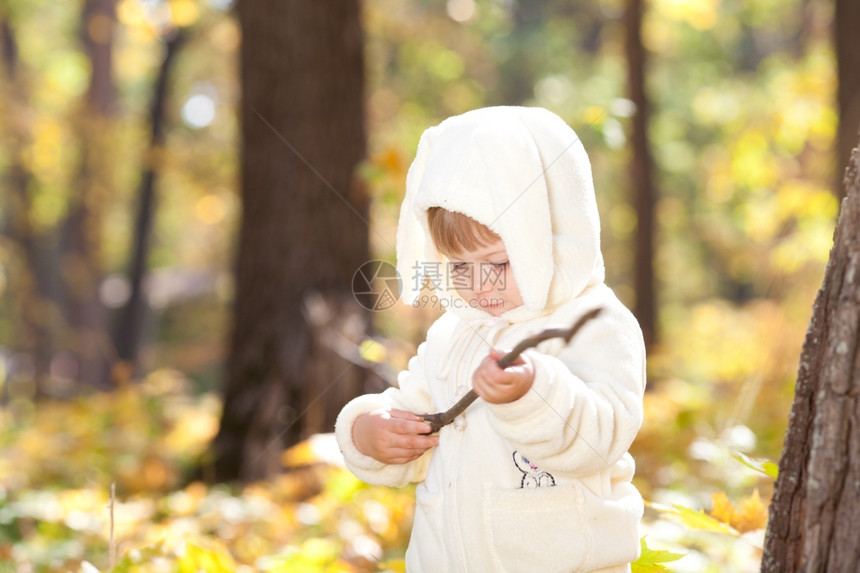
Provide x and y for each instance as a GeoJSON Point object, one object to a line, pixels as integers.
{"type": "Point", "coordinates": [372, 351]}
{"type": "Point", "coordinates": [319, 550]}
{"type": "Point", "coordinates": [694, 519]}
{"type": "Point", "coordinates": [207, 555]}
{"type": "Point", "coordinates": [751, 514]}
{"type": "Point", "coordinates": [302, 454]}
{"type": "Point", "coordinates": [391, 161]}
{"type": "Point", "coordinates": [722, 509]}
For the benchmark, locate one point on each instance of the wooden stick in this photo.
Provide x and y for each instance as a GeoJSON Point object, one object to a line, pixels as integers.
{"type": "Point", "coordinates": [437, 421]}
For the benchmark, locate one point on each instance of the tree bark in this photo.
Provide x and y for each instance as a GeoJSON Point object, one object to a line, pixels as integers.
{"type": "Point", "coordinates": [643, 194]}
{"type": "Point", "coordinates": [303, 230]}
{"type": "Point", "coordinates": [815, 511]}
{"type": "Point", "coordinates": [846, 24]}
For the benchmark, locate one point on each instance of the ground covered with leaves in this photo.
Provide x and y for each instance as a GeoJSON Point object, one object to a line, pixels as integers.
{"type": "Point", "coordinates": [106, 482]}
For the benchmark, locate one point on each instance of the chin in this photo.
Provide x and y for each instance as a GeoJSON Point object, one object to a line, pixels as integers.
{"type": "Point", "coordinates": [496, 310]}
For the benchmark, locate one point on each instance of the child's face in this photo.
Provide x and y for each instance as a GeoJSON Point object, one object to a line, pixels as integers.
{"type": "Point", "coordinates": [484, 279]}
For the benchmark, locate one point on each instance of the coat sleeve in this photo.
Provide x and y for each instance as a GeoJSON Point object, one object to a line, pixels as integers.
{"type": "Point", "coordinates": [411, 395]}
{"type": "Point", "coordinates": [585, 405]}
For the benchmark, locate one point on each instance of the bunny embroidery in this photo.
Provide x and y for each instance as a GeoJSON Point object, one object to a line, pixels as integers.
{"type": "Point", "coordinates": [533, 476]}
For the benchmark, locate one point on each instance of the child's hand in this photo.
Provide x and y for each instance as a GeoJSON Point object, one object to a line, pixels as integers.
{"type": "Point", "coordinates": [392, 436]}
{"type": "Point", "coordinates": [498, 386]}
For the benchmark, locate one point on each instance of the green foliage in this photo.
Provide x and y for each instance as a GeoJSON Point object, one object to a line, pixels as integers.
{"type": "Point", "coordinates": [768, 468]}
{"type": "Point", "coordinates": [651, 561]}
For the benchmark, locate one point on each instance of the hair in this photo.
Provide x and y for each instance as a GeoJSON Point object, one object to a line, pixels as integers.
{"type": "Point", "coordinates": [452, 231]}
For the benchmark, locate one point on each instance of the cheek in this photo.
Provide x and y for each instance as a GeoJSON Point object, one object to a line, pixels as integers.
{"type": "Point", "coordinates": [465, 293]}
{"type": "Point", "coordinates": [514, 291]}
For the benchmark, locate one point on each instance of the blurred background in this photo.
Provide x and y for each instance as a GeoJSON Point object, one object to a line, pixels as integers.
{"type": "Point", "coordinates": [188, 187]}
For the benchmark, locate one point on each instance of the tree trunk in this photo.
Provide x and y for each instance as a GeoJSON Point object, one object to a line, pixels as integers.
{"type": "Point", "coordinates": [80, 264]}
{"type": "Point", "coordinates": [32, 285]}
{"type": "Point", "coordinates": [815, 512]}
{"type": "Point", "coordinates": [846, 24]}
{"type": "Point", "coordinates": [98, 23]}
{"type": "Point", "coordinates": [303, 230]}
{"type": "Point", "coordinates": [518, 70]}
{"type": "Point", "coordinates": [131, 318]}
{"type": "Point", "coordinates": [641, 176]}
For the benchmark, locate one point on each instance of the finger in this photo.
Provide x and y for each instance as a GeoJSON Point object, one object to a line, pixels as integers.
{"type": "Point", "coordinates": [410, 428]}
{"type": "Point", "coordinates": [412, 419]}
{"type": "Point", "coordinates": [484, 389]}
{"type": "Point", "coordinates": [523, 372]}
{"type": "Point", "coordinates": [414, 441]}
{"type": "Point", "coordinates": [404, 454]}
{"type": "Point", "coordinates": [404, 415]}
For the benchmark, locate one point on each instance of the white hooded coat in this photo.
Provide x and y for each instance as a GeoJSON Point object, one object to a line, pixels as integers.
{"type": "Point", "coordinates": [542, 483]}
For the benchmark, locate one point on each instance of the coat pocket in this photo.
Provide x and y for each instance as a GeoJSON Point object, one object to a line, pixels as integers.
{"type": "Point", "coordinates": [565, 528]}
{"type": "Point", "coordinates": [540, 529]}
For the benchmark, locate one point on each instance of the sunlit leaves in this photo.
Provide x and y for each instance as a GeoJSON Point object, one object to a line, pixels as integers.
{"type": "Point", "coordinates": [138, 434]}
{"type": "Point", "coordinates": [652, 560]}
{"type": "Point", "coordinates": [67, 74]}
{"type": "Point", "coordinates": [154, 18]}
{"type": "Point", "coordinates": [694, 519]}
{"type": "Point", "coordinates": [184, 13]}
{"type": "Point", "coordinates": [205, 555]}
{"type": "Point", "coordinates": [765, 467]}
{"type": "Point", "coordinates": [315, 517]}
{"type": "Point", "coordinates": [700, 14]}
{"type": "Point", "coordinates": [750, 515]}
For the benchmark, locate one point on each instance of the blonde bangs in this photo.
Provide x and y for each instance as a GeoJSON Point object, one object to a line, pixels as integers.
{"type": "Point", "coordinates": [454, 232]}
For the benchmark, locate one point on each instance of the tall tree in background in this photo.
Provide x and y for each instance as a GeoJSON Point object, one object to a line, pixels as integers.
{"type": "Point", "coordinates": [641, 176]}
{"type": "Point", "coordinates": [815, 512]}
{"type": "Point", "coordinates": [846, 24]}
{"type": "Point", "coordinates": [519, 69]}
{"type": "Point", "coordinates": [31, 282]}
{"type": "Point", "coordinates": [80, 264]}
{"type": "Point", "coordinates": [304, 230]}
{"type": "Point", "coordinates": [129, 328]}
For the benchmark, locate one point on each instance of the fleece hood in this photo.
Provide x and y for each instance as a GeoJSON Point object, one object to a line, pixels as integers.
{"type": "Point", "coordinates": [523, 173]}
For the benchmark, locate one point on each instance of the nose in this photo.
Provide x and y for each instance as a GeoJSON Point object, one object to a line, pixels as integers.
{"type": "Point", "coordinates": [483, 282]}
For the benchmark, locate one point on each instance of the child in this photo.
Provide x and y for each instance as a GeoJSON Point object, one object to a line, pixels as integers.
{"type": "Point", "coordinates": [535, 475]}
